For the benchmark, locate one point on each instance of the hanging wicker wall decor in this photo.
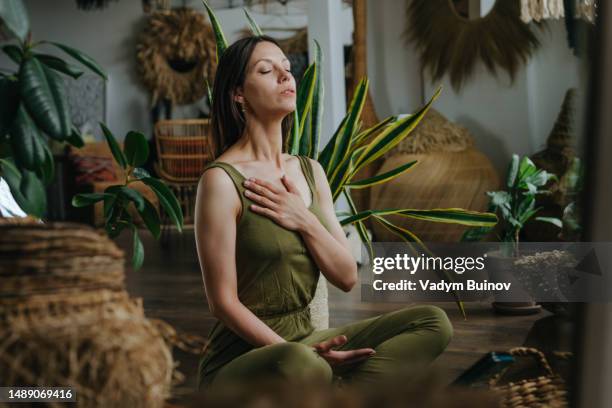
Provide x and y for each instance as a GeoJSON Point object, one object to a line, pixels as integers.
{"type": "Point", "coordinates": [176, 55]}
{"type": "Point", "coordinates": [453, 44]}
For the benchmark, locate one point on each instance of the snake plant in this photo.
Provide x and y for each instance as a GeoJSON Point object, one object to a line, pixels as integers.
{"type": "Point", "coordinates": [351, 148]}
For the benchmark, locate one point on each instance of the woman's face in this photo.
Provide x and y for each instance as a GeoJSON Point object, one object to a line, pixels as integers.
{"type": "Point", "coordinates": [269, 86]}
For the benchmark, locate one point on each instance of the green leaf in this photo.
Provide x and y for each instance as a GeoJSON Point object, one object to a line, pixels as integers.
{"type": "Point", "coordinates": [362, 136]}
{"type": "Point", "coordinates": [14, 52]}
{"type": "Point", "coordinates": [305, 93]}
{"type": "Point", "coordinates": [114, 146]}
{"type": "Point", "coordinates": [28, 149]}
{"type": "Point", "coordinates": [382, 178]}
{"type": "Point", "coordinates": [15, 17]}
{"type": "Point", "coordinates": [316, 110]}
{"type": "Point", "coordinates": [254, 27]}
{"type": "Point", "coordinates": [451, 216]}
{"type": "Point", "coordinates": [43, 93]}
{"type": "Point", "coordinates": [360, 226]}
{"type": "Point", "coordinates": [137, 250]}
{"type": "Point", "coordinates": [167, 200]}
{"type": "Point", "coordinates": [392, 135]}
{"type": "Point", "coordinates": [151, 218]}
{"type": "Point", "coordinates": [136, 149]}
{"type": "Point", "coordinates": [47, 170]}
{"type": "Point", "coordinates": [133, 196]}
{"type": "Point", "coordinates": [82, 58]}
{"type": "Point", "coordinates": [26, 189]}
{"type": "Point", "coordinates": [551, 220]}
{"type": "Point", "coordinates": [34, 192]}
{"type": "Point", "coordinates": [59, 65]}
{"type": "Point", "coordinates": [513, 169]}
{"type": "Point", "coordinates": [140, 173]}
{"type": "Point", "coordinates": [75, 138]}
{"type": "Point", "coordinates": [87, 199]}
{"type": "Point", "coordinates": [294, 138]}
{"type": "Point", "coordinates": [219, 36]}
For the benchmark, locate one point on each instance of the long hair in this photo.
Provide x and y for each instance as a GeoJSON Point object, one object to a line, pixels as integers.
{"type": "Point", "coordinates": [227, 119]}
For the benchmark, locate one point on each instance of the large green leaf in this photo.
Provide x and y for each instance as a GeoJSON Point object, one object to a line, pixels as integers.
{"type": "Point", "coordinates": [363, 136]}
{"type": "Point", "coordinates": [27, 190]}
{"type": "Point", "coordinates": [82, 58]}
{"type": "Point", "coordinates": [359, 225]}
{"type": "Point", "coordinates": [28, 149]}
{"type": "Point", "coordinates": [382, 178]}
{"type": "Point", "coordinates": [254, 27]}
{"type": "Point", "coordinates": [392, 135]}
{"type": "Point", "coordinates": [9, 91]}
{"type": "Point", "coordinates": [451, 216]}
{"type": "Point", "coordinates": [43, 93]}
{"type": "Point", "coordinates": [134, 196]}
{"type": "Point", "coordinates": [136, 149]}
{"type": "Point", "coordinates": [219, 36]}
{"type": "Point", "coordinates": [305, 93]}
{"type": "Point", "coordinates": [59, 65]}
{"type": "Point", "coordinates": [14, 52]}
{"type": "Point", "coordinates": [167, 200]}
{"type": "Point", "coordinates": [137, 250]}
{"type": "Point", "coordinates": [316, 110]}
{"type": "Point", "coordinates": [15, 17]}
{"type": "Point", "coordinates": [151, 218]}
{"type": "Point", "coordinates": [342, 142]}
{"type": "Point", "coordinates": [114, 146]}
{"type": "Point", "coordinates": [294, 137]}
{"type": "Point", "coordinates": [87, 199]}
{"type": "Point", "coordinates": [75, 138]}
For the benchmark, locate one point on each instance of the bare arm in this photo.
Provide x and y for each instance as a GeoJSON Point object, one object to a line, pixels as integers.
{"type": "Point", "coordinates": [330, 250]}
{"type": "Point", "coordinates": [216, 210]}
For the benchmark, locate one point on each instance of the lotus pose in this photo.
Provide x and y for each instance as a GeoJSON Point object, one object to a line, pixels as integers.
{"type": "Point", "coordinates": [266, 228]}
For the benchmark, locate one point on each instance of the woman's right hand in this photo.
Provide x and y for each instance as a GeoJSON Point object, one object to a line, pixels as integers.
{"type": "Point", "coordinates": [340, 357]}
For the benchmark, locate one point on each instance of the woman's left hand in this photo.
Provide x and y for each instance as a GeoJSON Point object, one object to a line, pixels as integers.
{"type": "Point", "coordinates": [284, 206]}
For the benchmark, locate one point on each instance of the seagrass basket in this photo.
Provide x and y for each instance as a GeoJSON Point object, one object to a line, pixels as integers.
{"type": "Point", "coordinates": [66, 319]}
{"type": "Point", "coordinates": [548, 390]}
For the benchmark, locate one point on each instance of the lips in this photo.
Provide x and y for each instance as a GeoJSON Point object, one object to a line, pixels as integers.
{"type": "Point", "coordinates": [288, 92]}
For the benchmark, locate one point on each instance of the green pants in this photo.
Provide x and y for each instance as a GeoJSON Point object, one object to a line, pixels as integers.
{"type": "Point", "coordinates": [403, 339]}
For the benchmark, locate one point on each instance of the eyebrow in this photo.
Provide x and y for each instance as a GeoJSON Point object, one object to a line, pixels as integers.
{"type": "Point", "coordinates": [269, 60]}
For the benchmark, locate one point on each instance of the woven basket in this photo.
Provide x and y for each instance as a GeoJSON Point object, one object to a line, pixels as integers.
{"type": "Point", "coordinates": [183, 148]}
{"type": "Point", "coordinates": [66, 319]}
{"type": "Point", "coordinates": [548, 390]}
{"type": "Point", "coordinates": [450, 173]}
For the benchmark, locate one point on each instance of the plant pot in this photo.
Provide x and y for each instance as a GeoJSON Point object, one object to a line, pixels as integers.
{"type": "Point", "coordinates": [501, 269]}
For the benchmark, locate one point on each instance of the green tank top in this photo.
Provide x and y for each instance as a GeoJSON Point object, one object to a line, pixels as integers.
{"type": "Point", "coordinates": [276, 277]}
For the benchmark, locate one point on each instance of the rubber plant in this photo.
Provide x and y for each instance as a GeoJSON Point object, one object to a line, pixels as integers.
{"type": "Point", "coordinates": [35, 109]}
{"type": "Point", "coordinates": [351, 148]}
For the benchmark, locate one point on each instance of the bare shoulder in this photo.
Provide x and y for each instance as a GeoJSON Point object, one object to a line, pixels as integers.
{"type": "Point", "coordinates": [216, 190]}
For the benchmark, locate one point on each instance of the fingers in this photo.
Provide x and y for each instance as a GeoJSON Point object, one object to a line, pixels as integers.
{"type": "Point", "coordinates": [259, 186]}
{"type": "Point", "coordinates": [333, 342]}
{"type": "Point", "coordinates": [349, 356]}
{"type": "Point", "coordinates": [261, 200]}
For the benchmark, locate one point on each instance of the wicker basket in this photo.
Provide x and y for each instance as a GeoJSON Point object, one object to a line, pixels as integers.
{"type": "Point", "coordinates": [66, 319]}
{"type": "Point", "coordinates": [183, 148]}
{"type": "Point", "coordinates": [548, 390]}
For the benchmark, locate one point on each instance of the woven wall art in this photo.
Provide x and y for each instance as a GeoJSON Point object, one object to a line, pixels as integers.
{"type": "Point", "coordinates": [176, 55]}
{"type": "Point", "coordinates": [453, 44]}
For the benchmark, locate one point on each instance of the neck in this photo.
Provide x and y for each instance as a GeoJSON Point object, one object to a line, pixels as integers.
{"type": "Point", "coordinates": [263, 141]}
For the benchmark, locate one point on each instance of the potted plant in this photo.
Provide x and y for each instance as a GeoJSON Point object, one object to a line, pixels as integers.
{"type": "Point", "coordinates": [37, 113]}
{"type": "Point", "coordinates": [351, 148]}
{"type": "Point", "coordinates": [515, 207]}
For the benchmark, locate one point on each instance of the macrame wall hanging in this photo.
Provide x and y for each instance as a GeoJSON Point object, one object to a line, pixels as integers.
{"type": "Point", "coordinates": [450, 43]}
{"type": "Point", "coordinates": [539, 10]}
{"type": "Point", "coordinates": [176, 55]}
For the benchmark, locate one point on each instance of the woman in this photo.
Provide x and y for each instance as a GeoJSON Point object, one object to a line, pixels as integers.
{"type": "Point", "coordinates": [265, 226]}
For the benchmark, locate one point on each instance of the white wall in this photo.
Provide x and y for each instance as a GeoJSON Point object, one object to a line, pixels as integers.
{"type": "Point", "coordinates": [110, 36]}
{"type": "Point", "coordinates": [504, 118]}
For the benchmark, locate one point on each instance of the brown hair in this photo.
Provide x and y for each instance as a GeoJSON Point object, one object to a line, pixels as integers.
{"type": "Point", "coordinates": [227, 119]}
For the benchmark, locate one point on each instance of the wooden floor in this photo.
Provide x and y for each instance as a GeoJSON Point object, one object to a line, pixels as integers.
{"type": "Point", "coordinates": [170, 284]}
